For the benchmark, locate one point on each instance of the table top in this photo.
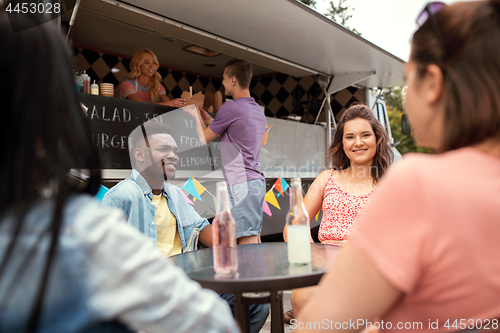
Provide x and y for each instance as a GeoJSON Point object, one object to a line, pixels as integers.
{"type": "Point", "coordinates": [262, 267]}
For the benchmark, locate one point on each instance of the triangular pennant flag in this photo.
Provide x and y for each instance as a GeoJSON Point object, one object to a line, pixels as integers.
{"type": "Point", "coordinates": [191, 189]}
{"type": "Point", "coordinates": [277, 186]}
{"type": "Point", "coordinates": [265, 208]}
{"type": "Point", "coordinates": [200, 188]}
{"type": "Point", "coordinates": [284, 185]}
{"type": "Point", "coordinates": [187, 199]}
{"type": "Point", "coordinates": [272, 199]}
{"type": "Point", "coordinates": [317, 215]}
{"type": "Point", "coordinates": [186, 182]}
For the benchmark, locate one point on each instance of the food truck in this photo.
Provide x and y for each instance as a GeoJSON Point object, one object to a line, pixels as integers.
{"type": "Point", "coordinates": [307, 71]}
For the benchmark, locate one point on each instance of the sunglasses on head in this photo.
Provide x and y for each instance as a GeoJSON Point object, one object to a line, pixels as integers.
{"type": "Point", "coordinates": [429, 14]}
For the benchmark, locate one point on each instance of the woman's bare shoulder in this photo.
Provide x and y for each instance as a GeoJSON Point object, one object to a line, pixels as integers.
{"type": "Point", "coordinates": [325, 175]}
{"type": "Point", "coordinates": [329, 172]}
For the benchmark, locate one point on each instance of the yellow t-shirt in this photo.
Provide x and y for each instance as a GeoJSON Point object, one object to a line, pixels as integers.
{"type": "Point", "coordinates": [167, 235]}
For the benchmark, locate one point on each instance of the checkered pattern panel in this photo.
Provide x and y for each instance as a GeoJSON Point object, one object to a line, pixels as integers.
{"type": "Point", "coordinates": [284, 95]}
{"type": "Point", "coordinates": [105, 68]}
{"type": "Point", "coordinates": [281, 95]}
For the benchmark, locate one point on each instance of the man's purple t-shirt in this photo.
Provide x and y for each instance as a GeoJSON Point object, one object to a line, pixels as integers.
{"type": "Point", "coordinates": [241, 125]}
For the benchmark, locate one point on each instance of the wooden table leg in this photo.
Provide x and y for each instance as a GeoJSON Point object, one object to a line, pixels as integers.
{"type": "Point", "coordinates": [277, 312]}
{"type": "Point", "coordinates": [240, 315]}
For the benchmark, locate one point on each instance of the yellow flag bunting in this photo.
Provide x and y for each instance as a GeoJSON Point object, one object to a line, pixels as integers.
{"type": "Point", "coordinates": [271, 198]}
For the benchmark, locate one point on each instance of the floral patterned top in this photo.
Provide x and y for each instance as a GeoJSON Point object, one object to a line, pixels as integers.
{"type": "Point", "coordinates": [340, 210]}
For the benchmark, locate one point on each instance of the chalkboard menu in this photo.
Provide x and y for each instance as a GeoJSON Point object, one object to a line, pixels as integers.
{"type": "Point", "coordinates": [112, 120]}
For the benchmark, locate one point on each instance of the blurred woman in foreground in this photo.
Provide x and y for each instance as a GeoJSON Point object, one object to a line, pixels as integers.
{"type": "Point", "coordinates": [66, 263]}
{"type": "Point", "coordinates": [425, 249]}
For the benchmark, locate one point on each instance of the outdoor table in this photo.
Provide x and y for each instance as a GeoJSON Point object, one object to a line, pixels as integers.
{"type": "Point", "coordinates": [262, 268]}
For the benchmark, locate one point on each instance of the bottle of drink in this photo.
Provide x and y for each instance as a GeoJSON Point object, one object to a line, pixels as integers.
{"type": "Point", "coordinates": [298, 233]}
{"type": "Point", "coordinates": [224, 234]}
{"type": "Point", "coordinates": [193, 241]}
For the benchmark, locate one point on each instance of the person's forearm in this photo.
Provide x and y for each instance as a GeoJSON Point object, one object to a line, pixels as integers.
{"type": "Point", "coordinates": [206, 236]}
{"type": "Point", "coordinates": [208, 134]}
{"type": "Point", "coordinates": [207, 137]}
{"type": "Point", "coordinates": [134, 97]}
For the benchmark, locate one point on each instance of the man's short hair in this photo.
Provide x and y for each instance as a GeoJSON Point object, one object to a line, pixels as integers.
{"type": "Point", "coordinates": [241, 70]}
{"type": "Point", "coordinates": [147, 129]}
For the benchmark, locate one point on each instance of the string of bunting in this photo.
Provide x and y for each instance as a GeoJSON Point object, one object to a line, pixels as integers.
{"type": "Point", "coordinates": [195, 189]}
{"type": "Point", "coordinates": [280, 185]}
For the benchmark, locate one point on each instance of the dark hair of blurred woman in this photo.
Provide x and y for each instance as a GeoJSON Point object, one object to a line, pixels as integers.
{"type": "Point", "coordinates": [470, 35]}
{"type": "Point", "coordinates": [42, 134]}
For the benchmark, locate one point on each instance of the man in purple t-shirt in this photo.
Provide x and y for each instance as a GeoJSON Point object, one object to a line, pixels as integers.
{"type": "Point", "coordinates": [241, 124]}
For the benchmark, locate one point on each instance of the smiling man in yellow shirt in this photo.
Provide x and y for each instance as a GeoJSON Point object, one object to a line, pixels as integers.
{"type": "Point", "coordinates": [157, 208]}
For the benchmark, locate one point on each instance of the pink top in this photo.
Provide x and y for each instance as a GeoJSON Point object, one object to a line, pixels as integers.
{"type": "Point", "coordinates": [340, 210]}
{"type": "Point", "coordinates": [433, 231]}
{"type": "Point", "coordinates": [133, 87]}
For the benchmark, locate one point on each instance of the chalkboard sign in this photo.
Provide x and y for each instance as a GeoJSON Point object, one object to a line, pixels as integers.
{"type": "Point", "coordinates": [112, 120]}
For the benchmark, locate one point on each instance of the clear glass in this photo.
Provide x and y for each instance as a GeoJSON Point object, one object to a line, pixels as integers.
{"type": "Point", "coordinates": [224, 234]}
{"type": "Point", "coordinates": [193, 241]}
{"type": "Point", "coordinates": [298, 233]}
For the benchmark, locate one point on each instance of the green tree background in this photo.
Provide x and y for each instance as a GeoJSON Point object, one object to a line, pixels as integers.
{"type": "Point", "coordinates": [340, 13]}
{"type": "Point", "coordinates": [310, 3]}
{"type": "Point", "coordinates": [394, 102]}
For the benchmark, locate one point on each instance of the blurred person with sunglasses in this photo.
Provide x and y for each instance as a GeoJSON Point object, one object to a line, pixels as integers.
{"type": "Point", "coordinates": [424, 253]}
{"type": "Point", "coordinates": [66, 263]}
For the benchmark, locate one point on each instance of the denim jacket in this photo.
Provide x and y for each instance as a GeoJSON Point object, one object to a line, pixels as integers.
{"type": "Point", "coordinates": [103, 270]}
{"type": "Point", "coordinates": [135, 197]}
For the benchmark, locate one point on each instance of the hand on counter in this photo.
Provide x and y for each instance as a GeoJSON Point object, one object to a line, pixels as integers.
{"type": "Point", "coordinates": [176, 103]}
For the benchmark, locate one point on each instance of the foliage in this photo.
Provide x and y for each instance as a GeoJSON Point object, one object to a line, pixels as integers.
{"type": "Point", "coordinates": [337, 13]}
{"type": "Point", "coordinates": [394, 102]}
{"type": "Point", "coordinates": [310, 3]}
{"type": "Point", "coordinates": [340, 14]}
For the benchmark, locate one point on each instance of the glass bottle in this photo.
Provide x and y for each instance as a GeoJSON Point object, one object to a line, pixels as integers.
{"type": "Point", "coordinates": [224, 234]}
{"type": "Point", "coordinates": [298, 233]}
{"type": "Point", "coordinates": [193, 241]}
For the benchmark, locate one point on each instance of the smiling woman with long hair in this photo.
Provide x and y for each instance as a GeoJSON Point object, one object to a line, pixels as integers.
{"type": "Point", "coordinates": [424, 252]}
{"type": "Point", "coordinates": [143, 81]}
{"type": "Point", "coordinates": [359, 155]}
{"type": "Point", "coordinates": [66, 263]}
